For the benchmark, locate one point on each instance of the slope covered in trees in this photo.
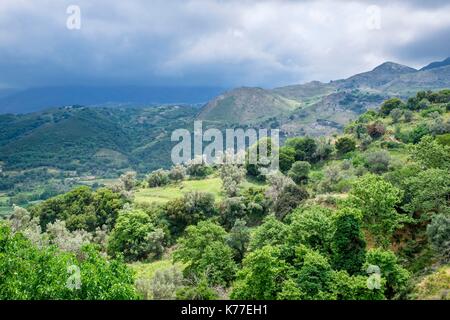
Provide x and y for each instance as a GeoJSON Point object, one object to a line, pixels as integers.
{"type": "Point", "coordinates": [363, 215]}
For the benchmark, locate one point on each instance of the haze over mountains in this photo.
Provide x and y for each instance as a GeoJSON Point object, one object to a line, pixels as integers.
{"type": "Point", "coordinates": [36, 99]}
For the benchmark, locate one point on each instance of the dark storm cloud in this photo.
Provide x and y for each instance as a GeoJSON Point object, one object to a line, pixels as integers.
{"type": "Point", "coordinates": [427, 47]}
{"type": "Point", "coordinates": [212, 42]}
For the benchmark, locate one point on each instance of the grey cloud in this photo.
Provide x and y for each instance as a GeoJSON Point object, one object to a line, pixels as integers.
{"type": "Point", "coordinates": [211, 42]}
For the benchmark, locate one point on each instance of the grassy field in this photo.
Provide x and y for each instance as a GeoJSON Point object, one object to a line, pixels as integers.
{"type": "Point", "coordinates": [162, 195]}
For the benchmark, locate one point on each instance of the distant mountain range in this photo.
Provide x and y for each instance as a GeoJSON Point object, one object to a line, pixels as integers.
{"type": "Point", "coordinates": [101, 140]}
{"type": "Point", "coordinates": [37, 99]}
{"type": "Point", "coordinates": [317, 108]}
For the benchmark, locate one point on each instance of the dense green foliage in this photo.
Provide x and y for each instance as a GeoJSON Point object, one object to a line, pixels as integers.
{"type": "Point", "coordinates": [364, 215]}
{"type": "Point", "coordinates": [35, 273]}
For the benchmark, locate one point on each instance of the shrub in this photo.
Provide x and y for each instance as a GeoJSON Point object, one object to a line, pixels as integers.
{"type": "Point", "coordinates": [376, 129]}
{"type": "Point", "coordinates": [391, 104]}
{"type": "Point", "coordinates": [158, 178]}
{"type": "Point", "coordinates": [299, 172]}
{"type": "Point", "coordinates": [345, 145]}
{"type": "Point", "coordinates": [378, 161]}
{"type": "Point", "coordinates": [177, 173]}
{"type": "Point", "coordinates": [193, 207]}
{"type": "Point", "coordinates": [438, 232]}
{"type": "Point", "coordinates": [232, 176]}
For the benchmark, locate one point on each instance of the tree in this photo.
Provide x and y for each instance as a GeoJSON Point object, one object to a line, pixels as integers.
{"type": "Point", "coordinates": [396, 277]}
{"type": "Point", "coordinates": [33, 273]}
{"type": "Point", "coordinates": [324, 150]}
{"type": "Point", "coordinates": [346, 287]}
{"type": "Point", "coordinates": [391, 104]}
{"type": "Point", "coordinates": [377, 200]}
{"type": "Point", "coordinates": [438, 232]}
{"type": "Point", "coordinates": [158, 178]}
{"type": "Point", "coordinates": [205, 252]}
{"type": "Point", "coordinates": [261, 275]}
{"type": "Point", "coordinates": [314, 276]}
{"type": "Point", "coordinates": [348, 244]}
{"type": "Point", "coordinates": [428, 192]}
{"type": "Point", "coordinates": [396, 114]}
{"type": "Point", "coordinates": [232, 176]}
{"type": "Point", "coordinates": [128, 180]}
{"type": "Point", "coordinates": [230, 210]}
{"type": "Point", "coordinates": [193, 207]}
{"type": "Point", "coordinates": [256, 205]}
{"type": "Point", "coordinates": [287, 158]}
{"type": "Point", "coordinates": [305, 148]}
{"type": "Point", "coordinates": [312, 226]}
{"type": "Point", "coordinates": [81, 208]}
{"type": "Point", "coordinates": [345, 145]}
{"type": "Point", "coordinates": [291, 197]}
{"type": "Point", "coordinates": [378, 161]}
{"type": "Point", "coordinates": [272, 232]}
{"type": "Point", "coordinates": [177, 173]}
{"type": "Point", "coordinates": [430, 154]}
{"type": "Point", "coordinates": [136, 237]}
{"type": "Point", "coordinates": [299, 172]}
{"type": "Point", "coordinates": [238, 239]}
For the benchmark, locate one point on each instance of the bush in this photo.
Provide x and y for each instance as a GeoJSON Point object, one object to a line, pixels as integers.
{"type": "Point", "coordinates": [391, 104]}
{"type": "Point", "coordinates": [299, 172]}
{"type": "Point", "coordinates": [165, 283]}
{"type": "Point", "coordinates": [158, 178]}
{"type": "Point", "coordinates": [345, 145]}
{"type": "Point", "coordinates": [198, 168]}
{"type": "Point", "coordinates": [33, 273]}
{"type": "Point", "coordinates": [378, 161]}
{"type": "Point", "coordinates": [232, 176]}
{"type": "Point", "coordinates": [205, 252]}
{"type": "Point", "coordinates": [376, 129]}
{"type": "Point", "coordinates": [136, 237]}
{"type": "Point", "coordinates": [291, 197]}
{"type": "Point", "coordinates": [396, 114]}
{"type": "Point", "coordinates": [395, 275]}
{"type": "Point", "coordinates": [177, 173]}
{"type": "Point", "coordinates": [438, 232]}
{"type": "Point", "coordinates": [192, 208]}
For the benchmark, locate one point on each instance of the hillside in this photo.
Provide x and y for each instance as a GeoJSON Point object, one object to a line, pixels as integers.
{"type": "Point", "coordinates": [363, 215]}
{"type": "Point", "coordinates": [317, 108]}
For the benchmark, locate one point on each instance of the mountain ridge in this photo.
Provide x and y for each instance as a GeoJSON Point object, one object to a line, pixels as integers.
{"type": "Point", "coordinates": [306, 108]}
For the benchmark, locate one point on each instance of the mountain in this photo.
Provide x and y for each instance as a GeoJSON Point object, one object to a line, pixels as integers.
{"type": "Point", "coordinates": [437, 64]}
{"type": "Point", "coordinates": [318, 108]}
{"type": "Point", "coordinates": [246, 106]}
{"type": "Point", "coordinates": [91, 140]}
{"type": "Point", "coordinates": [37, 99]}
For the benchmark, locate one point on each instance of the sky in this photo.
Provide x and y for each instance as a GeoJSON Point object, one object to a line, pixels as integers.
{"type": "Point", "coordinates": [225, 43]}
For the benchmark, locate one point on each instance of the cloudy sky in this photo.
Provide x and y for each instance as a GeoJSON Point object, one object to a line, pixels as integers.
{"type": "Point", "coordinates": [213, 42]}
